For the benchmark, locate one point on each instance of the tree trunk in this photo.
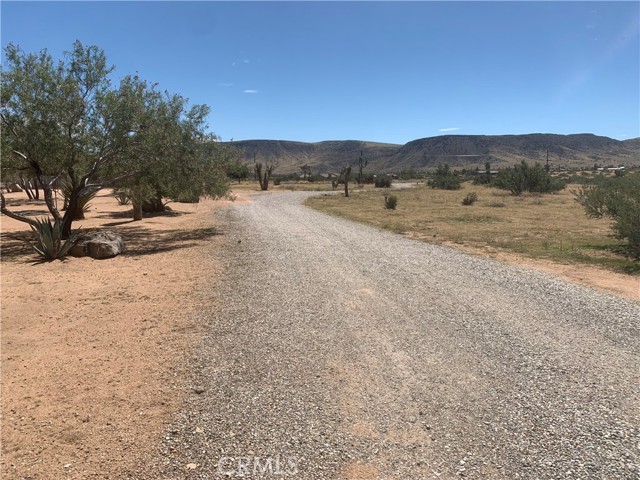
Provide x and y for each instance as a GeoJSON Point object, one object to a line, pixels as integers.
{"type": "Point", "coordinates": [137, 210]}
{"type": "Point", "coordinates": [79, 215]}
{"type": "Point", "coordinates": [154, 205]}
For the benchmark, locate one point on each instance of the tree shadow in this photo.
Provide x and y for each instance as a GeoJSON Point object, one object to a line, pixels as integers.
{"type": "Point", "coordinates": [14, 246]}
{"type": "Point", "coordinates": [138, 241]}
{"type": "Point", "coordinates": [129, 214]}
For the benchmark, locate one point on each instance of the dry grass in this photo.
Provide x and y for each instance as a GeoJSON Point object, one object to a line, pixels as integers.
{"type": "Point", "coordinates": [550, 226]}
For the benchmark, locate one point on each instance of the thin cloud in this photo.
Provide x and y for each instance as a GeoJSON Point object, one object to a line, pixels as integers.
{"type": "Point", "coordinates": [225, 84]}
{"type": "Point", "coordinates": [250, 91]}
{"type": "Point", "coordinates": [449, 129]}
{"type": "Point", "coordinates": [240, 62]}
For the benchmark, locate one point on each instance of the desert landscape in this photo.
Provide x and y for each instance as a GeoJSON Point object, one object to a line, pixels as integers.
{"type": "Point", "coordinates": [96, 353]}
{"type": "Point", "coordinates": [319, 240]}
{"type": "Point", "coordinates": [93, 351]}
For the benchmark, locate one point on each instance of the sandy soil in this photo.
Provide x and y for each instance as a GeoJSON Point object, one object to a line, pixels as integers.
{"type": "Point", "coordinates": [92, 350]}
{"type": "Point", "coordinates": [627, 286]}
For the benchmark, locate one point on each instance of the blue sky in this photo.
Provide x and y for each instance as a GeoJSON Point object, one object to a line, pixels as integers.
{"type": "Point", "coordinates": [380, 71]}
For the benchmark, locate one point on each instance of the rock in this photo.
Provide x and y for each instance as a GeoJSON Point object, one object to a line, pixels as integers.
{"type": "Point", "coordinates": [98, 245]}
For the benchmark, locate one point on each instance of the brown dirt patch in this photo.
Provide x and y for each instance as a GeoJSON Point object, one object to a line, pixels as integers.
{"type": "Point", "coordinates": [93, 351]}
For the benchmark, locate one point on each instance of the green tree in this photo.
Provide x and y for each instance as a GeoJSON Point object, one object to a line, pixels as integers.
{"type": "Point", "coordinates": [445, 179]}
{"type": "Point", "coordinates": [64, 120]}
{"type": "Point", "coordinates": [619, 199]}
{"type": "Point", "coordinates": [524, 178]}
{"type": "Point", "coordinates": [237, 170]}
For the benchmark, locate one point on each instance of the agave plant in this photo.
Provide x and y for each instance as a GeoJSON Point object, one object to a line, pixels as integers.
{"type": "Point", "coordinates": [123, 197]}
{"type": "Point", "coordinates": [49, 243]}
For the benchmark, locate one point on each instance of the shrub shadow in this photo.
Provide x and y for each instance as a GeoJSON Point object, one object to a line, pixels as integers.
{"type": "Point", "coordinates": [141, 241]}
{"type": "Point", "coordinates": [138, 241]}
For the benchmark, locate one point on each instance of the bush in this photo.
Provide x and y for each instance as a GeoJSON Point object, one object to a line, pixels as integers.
{"type": "Point", "coordinates": [49, 244]}
{"type": "Point", "coordinates": [390, 202]}
{"type": "Point", "coordinates": [445, 179]}
{"type": "Point", "coordinates": [470, 198]}
{"type": "Point", "coordinates": [188, 197]}
{"type": "Point", "coordinates": [618, 198]}
{"type": "Point", "coordinates": [123, 198]}
{"type": "Point", "coordinates": [523, 178]}
{"type": "Point", "coordinates": [382, 181]}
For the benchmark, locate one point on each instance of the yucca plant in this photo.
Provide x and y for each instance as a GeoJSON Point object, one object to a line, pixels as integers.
{"type": "Point", "coordinates": [49, 243]}
{"type": "Point", "coordinates": [84, 197]}
{"type": "Point", "coordinates": [123, 198]}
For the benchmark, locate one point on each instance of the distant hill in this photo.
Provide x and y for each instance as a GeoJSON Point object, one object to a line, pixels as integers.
{"type": "Point", "coordinates": [579, 150]}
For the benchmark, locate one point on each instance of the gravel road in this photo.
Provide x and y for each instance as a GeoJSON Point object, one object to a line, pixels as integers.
{"type": "Point", "coordinates": [338, 350]}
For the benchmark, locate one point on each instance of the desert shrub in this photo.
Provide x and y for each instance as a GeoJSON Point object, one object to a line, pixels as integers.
{"type": "Point", "coordinates": [49, 243]}
{"type": "Point", "coordinates": [470, 198]}
{"type": "Point", "coordinates": [618, 198]}
{"type": "Point", "coordinates": [524, 178]}
{"type": "Point", "coordinates": [382, 181]}
{"type": "Point", "coordinates": [481, 179]}
{"type": "Point", "coordinates": [188, 197]}
{"type": "Point", "coordinates": [238, 170]}
{"type": "Point", "coordinates": [390, 202]}
{"type": "Point", "coordinates": [445, 179]}
{"type": "Point", "coordinates": [123, 198]}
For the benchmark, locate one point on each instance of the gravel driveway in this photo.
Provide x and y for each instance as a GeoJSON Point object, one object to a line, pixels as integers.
{"type": "Point", "coordinates": [337, 350]}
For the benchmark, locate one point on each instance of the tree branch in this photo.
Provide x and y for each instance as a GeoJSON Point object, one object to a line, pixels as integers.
{"type": "Point", "coordinates": [15, 216]}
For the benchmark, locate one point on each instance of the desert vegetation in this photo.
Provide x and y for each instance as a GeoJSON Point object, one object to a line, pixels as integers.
{"type": "Point", "coordinates": [617, 198]}
{"type": "Point", "coordinates": [533, 225]}
{"type": "Point", "coordinates": [65, 125]}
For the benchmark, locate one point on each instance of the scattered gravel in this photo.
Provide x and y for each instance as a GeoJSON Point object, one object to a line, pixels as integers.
{"type": "Point", "coordinates": [338, 350]}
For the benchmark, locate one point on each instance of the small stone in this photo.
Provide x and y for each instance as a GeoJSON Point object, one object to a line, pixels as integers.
{"type": "Point", "coordinates": [192, 466]}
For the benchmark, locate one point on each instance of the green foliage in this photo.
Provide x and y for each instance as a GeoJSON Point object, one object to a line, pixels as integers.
{"type": "Point", "coordinates": [238, 170]}
{"type": "Point", "coordinates": [382, 181]}
{"type": "Point", "coordinates": [618, 198]}
{"type": "Point", "coordinates": [524, 178]}
{"type": "Point", "coordinates": [390, 202]}
{"type": "Point", "coordinates": [470, 198]}
{"type": "Point", "coordinates": [188, 197]}
{"type": "Point", "coordinates": [445, 179]}
{"type": "Point", "coordinates": [65, 117]}
{"type": "Point", "coordinates": [49, 242]}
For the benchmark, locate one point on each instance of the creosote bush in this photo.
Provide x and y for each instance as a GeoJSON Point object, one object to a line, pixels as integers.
{"type": "Point", "coordinates": [470, 198]}
{"type": "Point", "coordinates": [445, 179]}
{"type": "Point", "coordinates": [390, 202]}
{"type": "Point", "coordinates": [382, 181]}
{"type": "Point", "coordinates": [524, 178]}
{"type": "Point", "coordinates": [619, 199]}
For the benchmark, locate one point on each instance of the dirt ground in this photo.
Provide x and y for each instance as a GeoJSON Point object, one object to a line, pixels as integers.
{"type": "Point", "coordinates": [93, 351]}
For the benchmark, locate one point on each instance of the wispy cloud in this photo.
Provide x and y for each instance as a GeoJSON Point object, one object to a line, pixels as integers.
{"type": "Point", "coordinates": [224, 84]}
{"type": "Point", "coordinates": [449, 129]}
{"type": "Point", "coordinates": [240, 62]}
{"type": "Point", "coordinates": [250, 91]}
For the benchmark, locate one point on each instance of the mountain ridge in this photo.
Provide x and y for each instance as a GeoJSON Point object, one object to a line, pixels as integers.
{"type": "Point", "coordinates": [463, 151]}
